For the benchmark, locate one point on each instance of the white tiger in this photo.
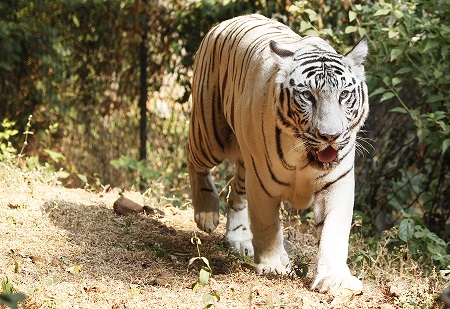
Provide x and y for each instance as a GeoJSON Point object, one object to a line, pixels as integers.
{"type": "Point", "coordinates": [286, 110]}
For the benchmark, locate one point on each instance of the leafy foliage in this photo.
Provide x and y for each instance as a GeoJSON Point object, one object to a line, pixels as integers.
{"type": "Point", "coordinates": [412, 38]}
{"type": "Point", "coordinates": [6, 132]}
{"type": "Point", "coordinates": [422, 244]}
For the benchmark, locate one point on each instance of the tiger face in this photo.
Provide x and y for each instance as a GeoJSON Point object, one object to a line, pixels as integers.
{"type": "Point", "coordinates": [327, 99]}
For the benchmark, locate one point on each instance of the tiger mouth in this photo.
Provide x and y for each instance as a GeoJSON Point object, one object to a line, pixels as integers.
{"type": "Point", "coordinates": [325, 158]}
{"type": "Point", "coordinates": [327, 155]}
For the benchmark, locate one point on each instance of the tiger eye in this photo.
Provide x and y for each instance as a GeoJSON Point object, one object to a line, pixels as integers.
{"type": "Point", "coordinates": [344, 94]}
{"type": "Point", "coordinates": [308, 95]}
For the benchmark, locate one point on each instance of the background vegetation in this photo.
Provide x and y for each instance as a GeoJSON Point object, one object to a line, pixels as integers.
{"type": "Point", "coordinates": [77, 68]}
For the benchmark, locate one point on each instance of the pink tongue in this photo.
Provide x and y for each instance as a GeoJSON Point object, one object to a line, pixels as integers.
{"type": "Point", "coordinates": [327, 155]}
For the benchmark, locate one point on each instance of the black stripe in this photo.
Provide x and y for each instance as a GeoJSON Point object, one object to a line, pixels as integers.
{"type": "Point", "coordinates": [239, 226]}
{"type": "Point", "coordinates": [361, 107]}
{"type": "Point", "coordinates": [274, 177]}
{"type": "Point", "coordinates": [224, 83]}
{"type": "Point", "coordinates": [310, 69]}
{"type": "Point", "coordinates": [280, 150]}
{"type": "Point", "coordinates": [215, 115]}
{"type": "Point", "coordinates": [240, 192]}
{"type": "Point", "coordinates": [233, 125]}
{"type": "Point", "coordinates": [320, 224]}
{"type": "Point", "coordinates": [284, 121]}
{"type": "Point", "coordinates": [207, 189]}
{"type": "Point", "coordinates": [282, 95]}
{"type": "Point", "coordinates": [326, 186]}
{"type": "Point", "coordinates": [212, 160]}
{"type": "Point", "coordinates": [260, 181]}
{"type": "Point", "coordinates": [323, 60]}
{"type": "Point", "coordinates": [288, 96]}
{"type": "Point", "coordinates": [245, 31]}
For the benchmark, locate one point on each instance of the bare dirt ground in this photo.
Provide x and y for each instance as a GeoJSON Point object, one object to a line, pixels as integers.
{"type": "Point", "coordinates": [66, 248]}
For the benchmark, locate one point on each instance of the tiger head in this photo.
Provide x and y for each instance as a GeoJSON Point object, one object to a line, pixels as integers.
{"type": "Point", "coordinates": [322, 97]}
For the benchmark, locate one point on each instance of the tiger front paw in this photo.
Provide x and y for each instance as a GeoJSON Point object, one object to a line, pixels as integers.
{"type": "Point", "coordinates": [207, 221]}
{"type": "Point", "coordinates": [277, 264]}
{"type": "Point", "coordinates": [330, 283]}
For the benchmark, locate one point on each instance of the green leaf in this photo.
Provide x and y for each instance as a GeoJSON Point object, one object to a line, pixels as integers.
{"type": "Point", "coordinates": [350, 29]}
{"type": "Point", "coordinates": [352, 16]}
{"type": "Point", "coordinates": [398, 13]}
{"type": "Point", "coordinates": [382, 12]}
{"type": "Point", "coordinates": [304, 25]}
{"type": "Point", "coordinates": [406, 230]}
{"type": "Point", "coordinates": [194, 286]}
{"type": "Point", "coordinates": [399, 109]}
{"type": "Point", "coordinates": [83, 178]}
{"type": "Point", "coordinates": [404, 70]}
{"type": "Point", "coordinates": [395, 53]}
{"type": "Point", "coordinates": [55, 156]}
{"type": "Point", "coordinates": [435, 249]}
{"type": "Point", "coordinates": [293, 8]}
{"type": "Point", "coordinates": [420, 232]}
{"type": "Point", "coordinates": [378, 91]}
{"type": "Point", "coordinates": [362, 31]}
{"type": "Point", "coordinates": [433, 237]}
{"type": "Point", "coordinates": [392, 33]}
{"type": "Point", "coordinates": [206, 298]}
{"type": "Point", "coordinates": [387, 96]}
{"type": "Point", "coordinates": [205, 260]}
{"type": "Point", "coordinates": [430, 44]}
{"type": "Point", "coordinates": [313, 16]}
{"type": "Point", "coordinates": [192, 260]}
{"type": "Point", "coordinates": [11, 300]}
{"type": "Point", "coordinates": [396, 81]}
{"type": "Point", "coordinates": [445, 145]}
{"type": "Point", "coordinates": [7, 287]}
{"type": "Point", "coordinates": [204, 276]}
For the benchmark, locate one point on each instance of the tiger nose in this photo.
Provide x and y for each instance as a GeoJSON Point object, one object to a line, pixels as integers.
{"type": "Point", "coordinates": [329, 137]}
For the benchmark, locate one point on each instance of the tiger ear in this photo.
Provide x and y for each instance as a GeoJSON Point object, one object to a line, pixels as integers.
{"type": "Point", "coordinates": [356, 57]}
{"type": "Point", "coordinates": [359, 52]}
{"type": "Point", "coordinates": [280, 50]}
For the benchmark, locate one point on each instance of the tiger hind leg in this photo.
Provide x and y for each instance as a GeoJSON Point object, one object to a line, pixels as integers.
{"type": "Point", "coordinates": [239, 235]}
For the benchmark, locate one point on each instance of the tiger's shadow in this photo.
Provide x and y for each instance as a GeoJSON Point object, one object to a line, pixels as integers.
{"type": "Point", "coordinates": [140, 245]}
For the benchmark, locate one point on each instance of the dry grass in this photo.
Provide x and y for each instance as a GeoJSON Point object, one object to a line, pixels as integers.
{"type": "Point", "coordinates": [72, 251]}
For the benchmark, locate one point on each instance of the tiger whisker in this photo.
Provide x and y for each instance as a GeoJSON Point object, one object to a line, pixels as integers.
{"type": "Point", "coordinates": [361, 150]}
{"type": "Point", "coordinates": [367, 141]}
{"type": "Point", "coordinates": [299, 143]}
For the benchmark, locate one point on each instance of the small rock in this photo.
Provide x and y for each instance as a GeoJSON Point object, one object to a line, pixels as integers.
{"type": "Point", "coordinates": [343, 296]}
{"type": "Point", "coordinates": [124, 206]}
